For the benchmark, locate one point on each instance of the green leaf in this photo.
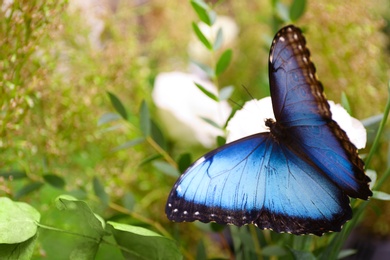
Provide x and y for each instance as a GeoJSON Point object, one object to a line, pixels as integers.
{"type": "Point", "coordinates": [129, 144]}
{"type": "Point", "coordinates": [211, 122]}
{"type": "Point", "coordinates": [158, 136]}
{"type": "Point", "coordinates": [166, 168]}
{"type": "Point", "coordinates": [373, 121]}
{"type": "Point", "coordinates": [54, 180]}
{"type": "Point", "coordinates": [107, 118]}
{"type": "Point", "coordinates": [274, 250]}
{"type": "Point", "coordinates": [128, 201]}
{"type": "Point", "coordinates": [117, 104]}
{"type": "Point", "coordinates": [380, 195]}
{"type": "Point", "coordinates": [282, 11]}
{"type": "Point", "coordinates": [242, 241]}
{"type": "Point", "coordinates": [373, 176]}
{"type": "Point", "coordinates": [201, 251]}
{"type": "Point", "coordinates": [13, 174]}
{"type": "Point", "coordinates": [145, 122]}
{"type": "Point", "coordinates": [221, 140]}
{"type": "Point", "coordinates": [17, 221]}
{"type": "Point", "coordinates": [85, 250]}
{"type": "Point", "coordinates": [218, 228]}
{"type": "Point", "coordinates": [297, 9]}
{"type": "Point", "coordinates": [112, 128]}
{"type": "Point", "coordinates": [201, 36]}
{"type": "Point", "coordinates": [218, 40]}
{"type": "Point", "coordinates": [345, 103]}
{"type": "Point", "coordinates": [80, 232]}
{"type": "Point", "coordinates": [346, 252]}
{"type": "Point", "coordinates": [98, 188]}
{"type": "Point", "coordinates": [150, 159]}
{"type": "Point", "coordinates": [201, 8]}
{"type": "Point", "coordinates": [184, 161]}
{"type": "Point", "coordinates": [209, 71]}
{"type": "Point", "coordinates": [27, 189]}
{"type": "Point", "coordinates": [304, 255]}
{"type": "Point", "coordinates": [213, 16]}
{"type": "Point", "coordinates": [223, 62]}
{"type": "Point", "coordinates": [22, 250]}
{"type": "Point", "coordinates": [226, 93]}
{"type": "Point", "coordinates": [80, 218]}
{"type": "Point", "coordinates": [141, 243]}
{"type": "Point", "coordinates": [206, 92]}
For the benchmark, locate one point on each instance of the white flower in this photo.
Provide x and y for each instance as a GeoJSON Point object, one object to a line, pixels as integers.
{"type": "Point", "coordinates": [250, 120]}
{"type": "Point", "coordinates": [230, 31]}
{"type": "Point", "coordinates": [354, 128]}
{"type": "Point", "coordinates": [181, 106]}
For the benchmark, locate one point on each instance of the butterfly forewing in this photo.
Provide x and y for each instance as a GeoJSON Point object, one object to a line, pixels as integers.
{"type": "Point", "coordinates": [293, 81]}
{"type": "Point", "coordinates": [303, 113]}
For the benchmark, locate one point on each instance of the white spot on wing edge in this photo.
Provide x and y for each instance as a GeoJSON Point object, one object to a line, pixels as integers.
{"type": "Point", "coordinates": [199, 161]}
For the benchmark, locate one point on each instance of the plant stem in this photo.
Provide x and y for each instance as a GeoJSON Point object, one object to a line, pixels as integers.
{"type": "Point", "coordinates": [157, 225]}
{"type": "Point", "coordinates": [161, 151]}
{"type": "Point", "coordinates": [380, 131]}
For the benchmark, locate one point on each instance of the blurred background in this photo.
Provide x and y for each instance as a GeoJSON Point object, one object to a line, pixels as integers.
{"type": "Point", "coordinates": [59, 59]}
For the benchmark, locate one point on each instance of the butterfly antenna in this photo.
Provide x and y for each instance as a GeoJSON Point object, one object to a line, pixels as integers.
{"type": "Point", "coordinates": [247, 91]}
{"type": "Point", "coordinates": [250, 95]}
{"type": "Point", "coordinates": [238, 105]}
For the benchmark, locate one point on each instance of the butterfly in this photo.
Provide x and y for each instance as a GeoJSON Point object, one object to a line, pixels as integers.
{"type": "Point", "coordinates": [296, 178]}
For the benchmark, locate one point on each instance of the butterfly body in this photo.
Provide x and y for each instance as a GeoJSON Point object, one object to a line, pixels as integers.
{"type": "Point", "coordinates": [295, 178]}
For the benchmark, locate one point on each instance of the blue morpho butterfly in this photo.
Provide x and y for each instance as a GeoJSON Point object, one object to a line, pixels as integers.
{"type": "Point", "coordinates": [295, 178]}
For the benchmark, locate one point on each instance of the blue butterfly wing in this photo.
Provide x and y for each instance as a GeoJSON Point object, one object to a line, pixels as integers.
{"type": "Point", "coordinates": [301, 109]}
{"type": "Point", "coordinates": [295, 179]}
{"type": "Point", "coordinates": [257, 180]}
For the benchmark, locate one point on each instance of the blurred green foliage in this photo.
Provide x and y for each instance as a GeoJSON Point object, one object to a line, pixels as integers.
{"type": "Point", "coordinates": [55, 77]}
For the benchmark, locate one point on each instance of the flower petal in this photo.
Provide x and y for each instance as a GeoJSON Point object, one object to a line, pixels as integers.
{"type": "Point", "coordinates": [181, 107]}
{"type": "Point", "coordinates": [250, 119]}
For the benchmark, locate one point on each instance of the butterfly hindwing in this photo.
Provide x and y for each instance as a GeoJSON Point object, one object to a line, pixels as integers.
{"type": "Point", "coordinates": [256, 180]}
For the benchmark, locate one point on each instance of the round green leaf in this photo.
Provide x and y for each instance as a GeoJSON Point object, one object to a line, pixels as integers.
{"type": "Point", "coordinates": [141, 243]}
{"type": "Point", "coordinates": [17, 221]}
